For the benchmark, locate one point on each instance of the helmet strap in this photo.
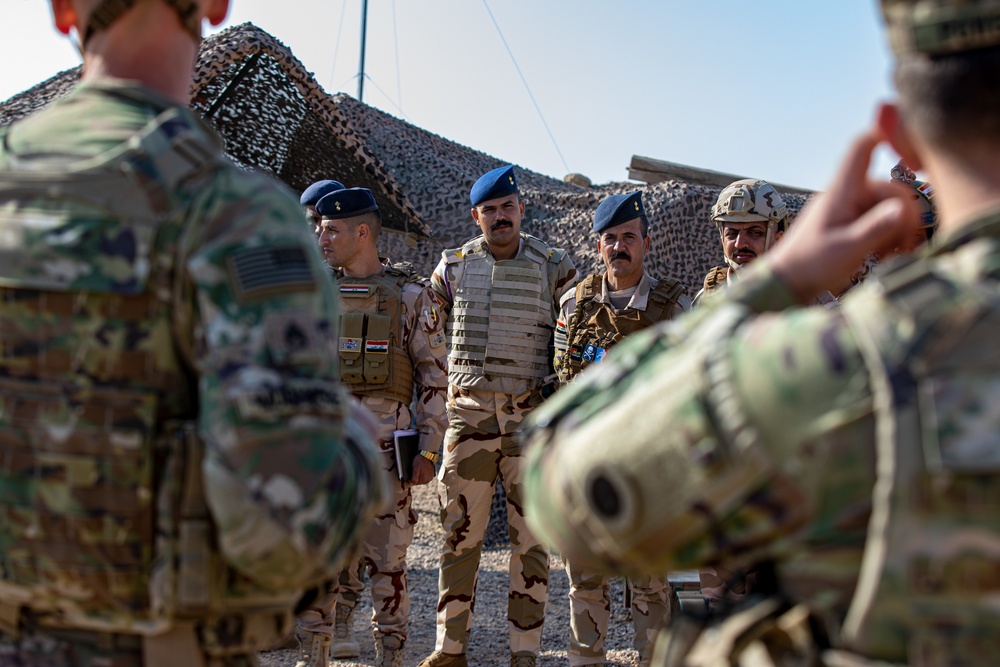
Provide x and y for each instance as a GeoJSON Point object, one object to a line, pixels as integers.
{"type": "Point", "coordinates": [772, 226]}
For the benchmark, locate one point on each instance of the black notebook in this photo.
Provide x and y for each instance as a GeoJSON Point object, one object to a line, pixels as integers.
{"type": "Point", "coordinates": [406, 444]}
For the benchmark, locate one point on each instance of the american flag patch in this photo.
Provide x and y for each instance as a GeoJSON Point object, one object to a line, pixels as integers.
{"type": "Point", "coordinates": [377, 346]}
{"type": "Point", "coordinates": [268, 269]}
{"type": "Point", "coordinates": [355, 290]}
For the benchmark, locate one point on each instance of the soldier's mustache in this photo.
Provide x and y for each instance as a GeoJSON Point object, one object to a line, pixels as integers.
{"type": "Point", "coordinates": [746, 250]}
{"type": "Point", "coordinates": [496, 225]}
{"type": "Point", "coordinates": [621, 255]}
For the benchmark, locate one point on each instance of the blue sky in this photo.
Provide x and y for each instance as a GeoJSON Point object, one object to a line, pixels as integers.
{"type": "Point", "coordinates": [770, 89]}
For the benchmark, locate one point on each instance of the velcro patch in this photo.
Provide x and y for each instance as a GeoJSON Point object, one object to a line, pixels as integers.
{"type": "Point", "coordinates": [350, 344]}
{"type": "Point", "coordinates": [437, 339]}
{"type": "Point", "coordinates": [575, 352]}
{"type": "Point", "coordinates": [266, 270]}
{"type": "Point", "coordinates": [377, 346]}
{"type": "Point", "coordinates": [291, 398]}
{"type": "Point", "coordinates": [355, 290]}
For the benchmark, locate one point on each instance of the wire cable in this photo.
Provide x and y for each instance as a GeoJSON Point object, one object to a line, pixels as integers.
{"type": "Point", "coordinates": [336, 49]}
{"type": "Point", "coordinates": [395, 40]}
{"type": "Point", "coordinates": [386, 95]}
{"type": "Point", "coordinates": [526, 87]}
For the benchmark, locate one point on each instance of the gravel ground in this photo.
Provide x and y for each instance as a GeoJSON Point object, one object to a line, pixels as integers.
{"type": "Point", "coordinates": [488, 646]}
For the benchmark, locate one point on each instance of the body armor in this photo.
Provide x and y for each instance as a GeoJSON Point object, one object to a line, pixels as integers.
{"type": "Point", "coordinates": [502, 316]}
{"type": "Point", "coordinates": [106, 528]}
{"type": "Point", "coordinates": [929, 575]}
{"type": "Point", "coordinates": [373, 361]}
{"type": "Point", "coordinates": [596, 325]}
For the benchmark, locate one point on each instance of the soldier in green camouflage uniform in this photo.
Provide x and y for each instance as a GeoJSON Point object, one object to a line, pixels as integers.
{"type": "Point", "coordinates": [179, 465]}
{"type": "Point", "coordinates": [502, 292]}
{"type": "Point", "coordinates": [596, 315]}
{"type": "Point", "coordinates": [410, 355]}
{"type": "Point", "coordinates": [856, 450]}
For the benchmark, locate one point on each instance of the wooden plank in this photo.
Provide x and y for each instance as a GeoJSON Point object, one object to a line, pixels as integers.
{"type": "Point", "coordinates": [649, 170]}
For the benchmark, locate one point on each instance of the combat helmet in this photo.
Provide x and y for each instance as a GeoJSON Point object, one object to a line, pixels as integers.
{"type": "Point", "coordinates": [108, 11]}
{"type": "Point", "coordinates": [752, 200]}
{"type": "Point", "coordinates": [940, 27]}
{"type": "Point", "coordinates": [923, 193]}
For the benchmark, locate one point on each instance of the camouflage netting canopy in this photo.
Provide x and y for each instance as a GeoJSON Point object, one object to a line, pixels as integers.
{"type": "Point", "coordinates": [274, 116]}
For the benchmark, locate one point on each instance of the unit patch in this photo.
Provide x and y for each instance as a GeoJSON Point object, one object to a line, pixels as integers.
{"type": "Point", "coordinates": [257, 272]}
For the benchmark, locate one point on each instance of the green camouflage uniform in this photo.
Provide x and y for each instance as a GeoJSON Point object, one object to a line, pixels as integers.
{"type": "Point", "coordinates": [386, 541]}
{"type": "Point", "coordinates": [484, 416]}
{"type": "Point", "coordinates": [176, 465]}
{"type": "Point", "coordinates": [589, 594]}
{"type": "Point", "coordinates": [758, 434]}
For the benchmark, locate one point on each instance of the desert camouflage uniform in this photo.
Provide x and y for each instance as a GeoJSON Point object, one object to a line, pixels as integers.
{"type": "Point", "coordinates": [386, 541]}
{"type": "Point", "coordinates": [721, 277]}
{"type": "Point", "coordinates": [481, 444]}
{"type": "Point", "coordinates": [165, 319]}
{"type": "Point", "coordinates": [757, 433]}
{"type": "Point", "coordinates": [589, 599]}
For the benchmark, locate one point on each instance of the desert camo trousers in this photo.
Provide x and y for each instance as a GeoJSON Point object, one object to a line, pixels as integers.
{"type": "Point", "coordinates": [384, 560]}
{"type": "Point", "coordinates": [480, 447]}
{"type": "Point", "coordinates": [590, 613]}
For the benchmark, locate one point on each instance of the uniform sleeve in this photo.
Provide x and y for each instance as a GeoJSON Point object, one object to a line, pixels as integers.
{"type": "Point", "coordinates": [441, 282]}
{"type": "Point", "coordinates": [567, 303]}
{"type": "Point", "coordinates": [730, 442]}
{"type": "Point", "coordinates": [289, 474]}
{"type": "Point", "coordinates": [564, 278]}
{"type": "Point", "coordinates": [425, 342]}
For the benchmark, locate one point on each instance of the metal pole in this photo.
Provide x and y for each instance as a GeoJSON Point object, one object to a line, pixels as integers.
{"type": "Point", "coordinates": [361, 67]}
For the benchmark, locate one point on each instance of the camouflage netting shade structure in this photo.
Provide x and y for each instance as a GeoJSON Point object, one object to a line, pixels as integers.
{"type": "Point", "coordinates": [274, 116]}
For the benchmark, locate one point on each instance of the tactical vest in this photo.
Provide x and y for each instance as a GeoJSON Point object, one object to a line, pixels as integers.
{"type": "Point", "coordinates": [716, 279]}
{"type": "Point", "coordinates": [502, 316]}
{"type": "Point", "coordinates": [105, 525]}
{"type": "Point", "coordinates": [598, 326]}
{"type": "Point", "coordinates": [373, 361]}
{"type": "Point", "coordinates": [930, 574]}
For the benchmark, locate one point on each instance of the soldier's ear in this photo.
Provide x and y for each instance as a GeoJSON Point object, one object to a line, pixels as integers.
{"type": "Point", "coordinates": [890, 122]}
{"type": "Point", "coordinates": [63, 15]}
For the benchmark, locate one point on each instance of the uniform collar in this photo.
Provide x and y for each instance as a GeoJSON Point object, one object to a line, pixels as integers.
{"type": "Point", "coordinates": [639, 299]}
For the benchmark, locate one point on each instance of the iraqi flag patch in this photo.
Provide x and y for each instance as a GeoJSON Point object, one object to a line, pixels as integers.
{"type": "Point", "coordinates": [377, 347]}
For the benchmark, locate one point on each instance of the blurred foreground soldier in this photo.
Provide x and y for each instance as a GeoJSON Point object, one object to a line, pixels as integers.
{"type": "Point", "coordinates": [502, 291]}
{"type": "Point", "coordinates": [392, 343]}
{"type": "Point", "coordinates": [179, 465]}
{"type": "Point", "coordinates": [856, 450]}
{"type": "Point", "coordinates": [311, 196]}
{"type": "Point", "coordinates": [596, 314]}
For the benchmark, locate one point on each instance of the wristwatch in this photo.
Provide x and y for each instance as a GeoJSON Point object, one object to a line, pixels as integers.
{"type": "Point", "coordinates": [433, 457]}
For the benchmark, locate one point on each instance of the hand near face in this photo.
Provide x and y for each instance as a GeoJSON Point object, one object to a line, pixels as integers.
{"type": "Point", "coordinates": [838, 228]}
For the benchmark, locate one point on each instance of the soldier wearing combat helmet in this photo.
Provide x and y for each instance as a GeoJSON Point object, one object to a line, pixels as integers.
{"type": "Point", "coordinates": [750, 216]}
{"type": "Point", "coordinates": [597, 314]}
{"type": "Point", "coordinates": [853, 453]}
{"type": "Point", "coordinates": [181, 467]}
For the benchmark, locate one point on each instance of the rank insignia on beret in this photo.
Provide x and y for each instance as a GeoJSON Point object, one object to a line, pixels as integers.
{"type": "Point", "coordinates": [268, 269]}
{"type": "Point", "coordinates": [636, 205]}
{"type": "Point", "coordinates": [338, 205]}
{"type": "Point", "coordinates": [511, 179]}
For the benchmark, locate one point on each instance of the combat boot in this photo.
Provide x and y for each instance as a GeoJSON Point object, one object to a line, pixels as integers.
{"type": "Point", "coordinates": [388, 652]}
{"type": "Point", "coordinates": [442, 659]}
{"type": "Point", "coordinates": [314, 650]}
{"type": "Point", "coordinates": [344, 644]}
{"type": "Point", "coordinates": [522, 659]}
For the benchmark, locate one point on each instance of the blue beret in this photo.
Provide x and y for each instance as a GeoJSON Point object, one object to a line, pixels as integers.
{"type": "Point", "coordinates": [346, 203]}
{"type": "Point", "coordinates": [494, 184]}
{"type": "Point", "coordinates": [318, 190]}
{"type": "Point", "coordinates": [617, 209]}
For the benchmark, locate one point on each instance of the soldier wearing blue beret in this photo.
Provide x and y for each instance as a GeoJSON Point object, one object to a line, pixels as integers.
{"type": "Point", "coordinates": [312, 194]}
{"type": "Point", "coordinates": [392, 348]}
{"type": "Point", "coordinates": [596, 315]}
{"type": "Point", "coordinates": [503, 288]}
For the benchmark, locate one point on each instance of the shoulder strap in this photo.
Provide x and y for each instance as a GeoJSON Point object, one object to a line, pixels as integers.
{"type": "Point", "coordinates": [663, 297]}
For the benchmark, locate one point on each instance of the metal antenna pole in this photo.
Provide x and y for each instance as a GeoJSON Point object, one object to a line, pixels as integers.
{"type": "Point", "coordinates": [361, 67]}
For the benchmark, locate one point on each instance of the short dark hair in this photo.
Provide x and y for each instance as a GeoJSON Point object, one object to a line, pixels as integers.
{"type": "Point", "coordinates": [951, 99]}
{"type": "Point", "coordinates": [374, 221]}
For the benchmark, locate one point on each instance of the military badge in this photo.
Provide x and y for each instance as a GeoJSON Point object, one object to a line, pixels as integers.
{"type": "Point", "coordinates": [430, 319]}
{"type": "Point", "coordinates": [350, 344]}
{"type": "Point", "coordinates": [376, 347]}
{"type": "Point", "coordinates": [437, 339]}
{"type": "Point", "coordinates": [589, 353]}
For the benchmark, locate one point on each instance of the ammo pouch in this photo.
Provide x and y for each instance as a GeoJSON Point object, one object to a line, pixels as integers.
{"type": "Point", "coordinates": [364, 348]}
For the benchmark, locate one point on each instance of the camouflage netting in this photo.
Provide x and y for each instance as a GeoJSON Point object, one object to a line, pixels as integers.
{"type": "Point", "coordinates": [274, 116]}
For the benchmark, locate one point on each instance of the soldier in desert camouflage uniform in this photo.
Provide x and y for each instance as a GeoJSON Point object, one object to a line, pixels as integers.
{"type": "Point", "coordinates": [502, 291]}
{"type": "Point", "coordinates": [392, 343]}
{"type": "Point", "coordinates": [856, 450]}
{"type": "Point", "coordinates": [177, 471]}
{"type": "Point", "coordinates": [596, 315]}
